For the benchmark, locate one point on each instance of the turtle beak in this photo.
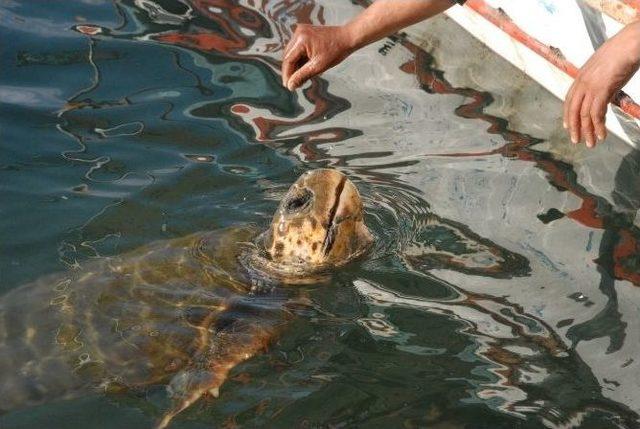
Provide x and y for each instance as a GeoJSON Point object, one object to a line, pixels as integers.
{"type": "Point", "coordinates": [330, 233]}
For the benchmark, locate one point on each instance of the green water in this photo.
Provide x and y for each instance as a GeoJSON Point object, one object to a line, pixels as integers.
{"type": "Point", "coordinates": [146, 131]}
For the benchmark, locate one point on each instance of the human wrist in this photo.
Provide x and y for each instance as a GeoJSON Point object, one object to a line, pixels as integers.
{"type": "Point", "coordinates": [351, 36]}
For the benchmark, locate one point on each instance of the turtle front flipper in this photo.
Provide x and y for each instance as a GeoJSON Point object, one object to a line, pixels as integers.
{"type": "Point", "coordinates": [229, 346]}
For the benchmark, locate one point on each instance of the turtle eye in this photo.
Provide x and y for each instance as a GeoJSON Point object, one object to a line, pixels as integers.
{"type": "Point", "coordinates": [299, 202]}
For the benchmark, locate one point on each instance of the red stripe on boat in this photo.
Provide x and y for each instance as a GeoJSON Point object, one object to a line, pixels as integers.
{"type": "Point", "coordinates": [553, 55]}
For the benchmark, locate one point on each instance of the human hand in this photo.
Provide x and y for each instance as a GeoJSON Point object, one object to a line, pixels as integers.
{"type": "Point", "coordinates": [312, 50]}
{"type": "Point", "coordinates": [605, 73]}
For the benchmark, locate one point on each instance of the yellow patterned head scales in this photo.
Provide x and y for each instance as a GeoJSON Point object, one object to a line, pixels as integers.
{"type": "Point", "coordinates": [319, 222]}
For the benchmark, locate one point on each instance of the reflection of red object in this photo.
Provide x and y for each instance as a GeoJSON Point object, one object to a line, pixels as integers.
{"type": "Point", "coordinates": [239, 108]}
{"type": "Point", "coordinates": [229, 18]}
{"type": "Point", "coordinates": [268, 127]}
{"type": "Point", "coordinates": [89, 30]}
{"type": "Point", "coordinates": [516, 147]}
{"type": "Point", "coordinates": [202, 41]}
{"type": "Point", "coordinates": [232, 39]}
{"type": "Point", "coordinates": [587, 215]}
{"type": "Point", "coordinates": [239, 26]}
{"type": "Point", "coordinates": [626, 256]}
{"type": "Point", "coordinates": [271, 129]}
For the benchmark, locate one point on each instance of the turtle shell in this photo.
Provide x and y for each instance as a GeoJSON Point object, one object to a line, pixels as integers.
{"type": "Point", "coordinates": [133, 320]}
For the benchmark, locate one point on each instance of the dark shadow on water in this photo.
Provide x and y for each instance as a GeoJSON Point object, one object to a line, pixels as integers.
{"type": "Point", "coordinates": [619, 252]}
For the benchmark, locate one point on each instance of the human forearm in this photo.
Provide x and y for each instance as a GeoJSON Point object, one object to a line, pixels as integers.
{"type": "Point", "coordinates": [385, 17]}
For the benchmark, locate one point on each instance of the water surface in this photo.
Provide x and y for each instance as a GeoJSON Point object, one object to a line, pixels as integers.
{"type": "Point", "coordinates": [502, 291]}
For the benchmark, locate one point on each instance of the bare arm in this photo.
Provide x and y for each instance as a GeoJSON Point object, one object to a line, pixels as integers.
{"type": "Point", "coordinates": [385, 17]}
{"type": "Point", "coordinates": [314, 49]}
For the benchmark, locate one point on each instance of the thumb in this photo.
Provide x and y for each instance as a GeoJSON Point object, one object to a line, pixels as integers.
{"type": "Point", "coordinates": [304, 73]}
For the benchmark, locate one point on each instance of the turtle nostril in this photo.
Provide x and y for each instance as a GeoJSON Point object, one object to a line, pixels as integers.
{"type": "Point", "coordinates": [298, 202]}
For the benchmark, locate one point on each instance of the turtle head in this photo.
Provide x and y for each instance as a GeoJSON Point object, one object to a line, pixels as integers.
{"type": "Point", "coordinates": [319, 222]}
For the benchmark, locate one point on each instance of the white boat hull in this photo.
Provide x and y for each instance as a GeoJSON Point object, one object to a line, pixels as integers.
{"type": "Point", "coordinates": [530, 33]}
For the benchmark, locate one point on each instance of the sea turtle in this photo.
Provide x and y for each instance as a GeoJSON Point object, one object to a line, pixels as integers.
{"type": "Point", "coordinates": [181, 312]}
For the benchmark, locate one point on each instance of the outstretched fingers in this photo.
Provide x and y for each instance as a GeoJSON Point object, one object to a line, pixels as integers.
{"type": "Point", "coordinates": [293, 55]}
{"type": "Point", "coordinates": [584, 115]}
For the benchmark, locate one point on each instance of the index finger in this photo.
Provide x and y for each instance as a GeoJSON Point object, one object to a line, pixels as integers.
{"type": "Point", "coordinates": [291, 59]}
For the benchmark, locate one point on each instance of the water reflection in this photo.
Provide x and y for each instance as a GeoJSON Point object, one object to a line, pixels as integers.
{"type": "Point", "coordinates": [618, 250]}
{"type": "Point", "coordinates": [619, 256]}
{"type": "Point", "coordinates": [179, 123]}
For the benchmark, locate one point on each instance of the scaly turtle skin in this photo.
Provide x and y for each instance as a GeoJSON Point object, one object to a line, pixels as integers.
{"type": "Point", "coordinates": [182, 312]}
